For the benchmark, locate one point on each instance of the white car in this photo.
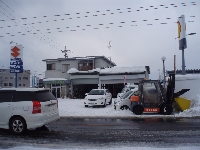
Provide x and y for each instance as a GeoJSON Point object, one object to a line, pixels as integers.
{"type": "Point", "coordinates": [98, 97]}
{"type": "Point", "coordinates": [124, 102]}
{"type": "Point", "coordinates": [27, 108]}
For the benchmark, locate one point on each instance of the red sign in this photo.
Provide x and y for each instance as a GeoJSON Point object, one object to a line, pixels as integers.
{"type": "Point", "coordinates": [151, 109]}
{"type": "Point", "coordinates": [15, 52]}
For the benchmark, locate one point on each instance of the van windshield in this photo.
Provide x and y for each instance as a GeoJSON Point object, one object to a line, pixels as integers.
{"type": "Point", "coordinates": [96, 92]}
{"type": "Point", "coordinates": [126, 94]}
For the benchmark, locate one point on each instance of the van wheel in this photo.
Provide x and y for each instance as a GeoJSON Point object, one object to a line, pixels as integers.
{"type": "Point", "coordinates": [138, 110]}
{"type": "Point", "coordinates": [122, 107]}
{"type": "Point", "coordinates": [18, 125]}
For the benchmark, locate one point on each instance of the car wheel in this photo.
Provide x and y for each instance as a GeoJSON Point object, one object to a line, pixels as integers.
{"type": "Point", "coordinates": [110, 101]}
{"type": "Point", "coordinates": [86, 105]}
{"type": "Point", "coordinates": [18, 125]}
{"type": "Point", "coordinates": [138, 110]}
{"type": "Point", "coordinates": [166, 109]}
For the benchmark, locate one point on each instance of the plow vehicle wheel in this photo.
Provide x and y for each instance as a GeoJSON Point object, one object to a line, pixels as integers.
{"type": "Point", "coordinates": [166, 109]}
{"type": "Point", "coordinates": [138, 110]}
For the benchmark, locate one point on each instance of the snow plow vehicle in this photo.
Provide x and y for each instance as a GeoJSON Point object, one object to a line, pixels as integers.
{"type": "Point", "coordinates": [153, 98]}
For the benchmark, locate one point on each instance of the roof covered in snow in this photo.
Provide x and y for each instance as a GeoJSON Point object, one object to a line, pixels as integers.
{"type": "Point", "coordinates": [115, 70]}
{"type": "Point", "coordinates": [53, 79]}
{"type": "Point", "coordinates": [112, 70]}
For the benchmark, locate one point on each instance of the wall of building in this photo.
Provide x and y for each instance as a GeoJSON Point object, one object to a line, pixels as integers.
{"type": "Point", "coordinates": [7, 79]}
{"type": "Point", "coordinates": [99, 63]}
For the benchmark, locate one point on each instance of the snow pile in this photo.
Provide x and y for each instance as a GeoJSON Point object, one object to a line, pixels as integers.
{"type": "Point", "coordinates": [194, 110]}
{"type": "Point", "coordinates": [72, 70]}
{"type": "Point", "coordinates": [112, 70]}
{"type": "Point", "coordinates": [93, 70]}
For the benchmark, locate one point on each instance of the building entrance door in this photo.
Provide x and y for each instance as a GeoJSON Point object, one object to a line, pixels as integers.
{"type": "Point", "coordinates": [58, 91]}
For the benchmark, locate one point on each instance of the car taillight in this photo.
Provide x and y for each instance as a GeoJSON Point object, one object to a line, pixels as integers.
{"type": "Point", "coordinates": [57, 103]}
{"type": "Point", "coordinates": [36, 107]}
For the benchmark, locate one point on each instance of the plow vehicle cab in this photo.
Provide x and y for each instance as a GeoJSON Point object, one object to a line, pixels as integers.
{"type": "Point", "coordinates": [153, 98]}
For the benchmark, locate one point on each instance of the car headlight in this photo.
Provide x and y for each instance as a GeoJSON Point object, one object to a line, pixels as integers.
{"type": "Point", "coordinates": [101, 98]}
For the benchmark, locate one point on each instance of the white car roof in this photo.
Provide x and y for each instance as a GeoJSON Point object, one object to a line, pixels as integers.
{"type": "Point", "coordinates": [23, 89]}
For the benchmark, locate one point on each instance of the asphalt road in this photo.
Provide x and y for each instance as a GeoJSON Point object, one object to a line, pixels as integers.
{"type": "Point", "coordinates": [73, 132]}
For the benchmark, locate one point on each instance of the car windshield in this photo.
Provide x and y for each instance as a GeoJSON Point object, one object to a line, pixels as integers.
{"type": "Point", "coordinates": [96, 92]}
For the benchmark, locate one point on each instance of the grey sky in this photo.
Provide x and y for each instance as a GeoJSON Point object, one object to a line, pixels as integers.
{"type": "Point", "coordinates": [139, 33]}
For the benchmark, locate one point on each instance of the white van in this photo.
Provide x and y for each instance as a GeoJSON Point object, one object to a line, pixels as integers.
{"type": "Point", "coordinates": [27, 108]}
{"type": "Point", "coordinates": [124, 102]}
{"type": "Point", "coordinates": [126, 89]}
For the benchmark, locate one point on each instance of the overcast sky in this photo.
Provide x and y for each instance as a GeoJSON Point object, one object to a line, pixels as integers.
{"type": "Point", "coordinates": [140, 32]}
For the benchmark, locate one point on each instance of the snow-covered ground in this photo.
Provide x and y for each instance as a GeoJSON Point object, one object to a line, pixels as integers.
{"type": "Point", "coordinates": [108, 148]}
{"type": "Point", "coordinates": [75, 108]}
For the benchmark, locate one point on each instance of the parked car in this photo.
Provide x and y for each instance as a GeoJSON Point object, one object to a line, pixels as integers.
{"type": "Point", "coordinates": [98, 97]}
{"type": "Point", "coordinates": [27, 108]}
{"type": "Point", "coordinates": [126, 89]}
{"type": "Point", "coordinates": [124, 102]}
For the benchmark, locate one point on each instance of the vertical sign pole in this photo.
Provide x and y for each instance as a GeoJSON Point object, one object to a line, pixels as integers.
{"type": "Point", "coordinates": [183, 63]}
{"type": "Point", "coordinates": [16, 80]}
{"type": "Point", "coordinates": [174, 64]}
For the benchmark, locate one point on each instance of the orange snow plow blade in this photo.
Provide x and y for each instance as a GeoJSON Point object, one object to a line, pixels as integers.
{"type": "Point", "coordinates": [181, 104]}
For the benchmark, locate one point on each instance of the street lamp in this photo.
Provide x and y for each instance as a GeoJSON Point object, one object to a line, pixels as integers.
{"type": "Point", "coordinates": [163, 59]}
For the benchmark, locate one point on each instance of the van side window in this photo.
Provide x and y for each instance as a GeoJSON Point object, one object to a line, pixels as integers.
{"type": "Point", "coordinates": [43, 96]}
{"type": "Point", "coordinates": [23, 96]}
{"type": "Point", "coordinates": [6, 96]}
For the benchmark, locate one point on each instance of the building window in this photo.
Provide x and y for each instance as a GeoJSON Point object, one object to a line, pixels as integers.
{"type": "Point", "coordinates": [19, 78]}
{"type": "Point", "coordinates": [5, 84]}
{"type": "Point", "coordinates": [10, 84]}
{"type": "Point", "coordinates": [19, 84]}
{"type": "Point", "coordinates": [65, 68]}
{"type": "Point", "coordinates": [6, 77]}
{"type": "Point", "coordinates": [23, 84]}
{"type": "Point", "coordinates": [51, 66]}
{"type": "Point", "coordinates": [11, 77]}
{"type": "Point", "coordinates": [85, 65]}
{"type": "Point", "coordinates": [25, 78]}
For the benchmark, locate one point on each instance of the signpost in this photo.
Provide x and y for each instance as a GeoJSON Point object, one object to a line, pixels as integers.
{"type": "Point", "coordinates": [182, 39]}
{"type": "Point", "coordinates": [16, 61]}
